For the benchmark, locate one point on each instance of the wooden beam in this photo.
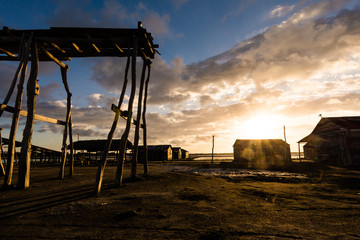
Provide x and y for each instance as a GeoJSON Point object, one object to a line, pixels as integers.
{"type": "Point", "coordinates": [4, 107]}
{"type": "Point", "coordinates": [77, 48]}
{"type": "Point", "coordinates": [123, 114]}
{"type": "Point", "coordinates": [7, 52]}
{"type": "Point", "coordinates": [61, 64]}
{"type": "Point", "coordinates": [119, 48]}
{"type": "Point", "coordinates": [58, 48]}
{"type": "Point", "coordinates": [96, 48]}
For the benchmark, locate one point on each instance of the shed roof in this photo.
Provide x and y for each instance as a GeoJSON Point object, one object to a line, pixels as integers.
{"type": "Point", "coordinates": [5, 141]}
{"type": "Point", "coordinates": [68, 42]}
{"type": "Point", "coordinates": [250, 141]}
{"type": "Point", "coordinates": [98, 145]}
{"type": "Point", "coordinates": [332, 125]}
{"type": "Point", "coordinates": [157, 147]}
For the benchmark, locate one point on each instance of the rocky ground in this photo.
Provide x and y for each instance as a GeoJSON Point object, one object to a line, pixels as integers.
{"type": "Point", "coordinates": [168, 204]}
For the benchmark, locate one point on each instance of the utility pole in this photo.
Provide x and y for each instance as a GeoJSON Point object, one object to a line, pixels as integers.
{"type": "Point", "coordinates": [212, 152]}
{"type": "Point", "coordinates": [285, 144]}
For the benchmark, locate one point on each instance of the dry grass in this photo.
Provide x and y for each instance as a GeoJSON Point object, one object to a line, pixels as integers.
{"type": "Point", "coordinates": [168, 205]}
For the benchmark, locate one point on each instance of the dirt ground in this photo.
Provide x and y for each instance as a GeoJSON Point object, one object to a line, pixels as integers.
{"type": "Point", "coordinates": [174, 205]}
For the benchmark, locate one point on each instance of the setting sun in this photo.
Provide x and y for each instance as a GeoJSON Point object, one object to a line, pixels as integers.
{"type": "Point", "coordinates": [261, 127]}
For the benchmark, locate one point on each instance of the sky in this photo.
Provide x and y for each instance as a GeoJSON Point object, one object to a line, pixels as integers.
{"type": "Point", "coordinates": [230, 69]}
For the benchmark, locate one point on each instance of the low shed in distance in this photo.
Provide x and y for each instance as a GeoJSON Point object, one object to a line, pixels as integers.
{"type": "Point", "coordinates": [176, 153]}
{"type": "Point", "coordinates": [185, 154]}
{"type": "Point", "coordinates": [94, 148]}
{"type": "Point", "coordinates": [261, 153]}
{"type": "Point", "coordinates": [157, 152]}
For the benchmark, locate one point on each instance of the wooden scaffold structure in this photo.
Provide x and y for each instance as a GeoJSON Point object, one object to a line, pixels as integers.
{"type": "Point", "coordinates": [59, 45]}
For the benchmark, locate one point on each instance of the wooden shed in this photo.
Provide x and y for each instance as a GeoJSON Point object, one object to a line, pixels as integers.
{"type": "Point", "coordinates": [184, 154]}
{"type": "Point", "coordinates": [261, 153]}
{"type": "Point", "coordinates": [176, 153]}
{"type": "Point", "coordinates": [334, 140]}
{"type": "Point", "coordinates": [89, 151]}
{"type": "Point", "coordinates": [157, 152]}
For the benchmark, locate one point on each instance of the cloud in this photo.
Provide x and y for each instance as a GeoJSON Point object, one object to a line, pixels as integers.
{"type": "Point", "coordinates": [308, 64]}
{"type": "Point", "coordinates": [6, 77]}
{"type": "Point", "coordinates": [281, 10]}
{"type": "Point", "coordinates": [156, 24]}
{"type": "Point", "coordinates": [111, 14]}
{"type": "Point", "coordinates": [47, 91]}
{"type": "Point", "coordinates": [179, 3]}
{"type": "Point", "coordinates": [101, 100]}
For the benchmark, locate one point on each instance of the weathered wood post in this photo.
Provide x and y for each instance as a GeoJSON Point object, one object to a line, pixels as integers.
{"type": "Point", "coordinates": [145, 154]}
{"type": "Point", "coordinates": [68, 116]}
{"type": "Point", "coordinates": [71, 169]}
{"type": "Point", "coordinates": [137, 124]}
{"type": "Point", "coordinates": [24, 56]}
{"type": "Point", "coordinates": [25, 155]}
{"type": "Point", "coordinates": [2, 170]}
{"type": "Point", "coordinates": [212, 150]}
{"type": "Point", "coordinates": [103, 160]}
{"type": "Point", "coordinates": [124, 137]}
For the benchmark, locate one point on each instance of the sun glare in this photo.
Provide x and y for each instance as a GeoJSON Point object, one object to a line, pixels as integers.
{"type": "Point", "coordinates": [261, 127]}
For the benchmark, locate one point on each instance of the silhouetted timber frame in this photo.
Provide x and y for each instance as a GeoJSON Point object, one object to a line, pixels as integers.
{"type": "Point", "coordinates": [58, 45]}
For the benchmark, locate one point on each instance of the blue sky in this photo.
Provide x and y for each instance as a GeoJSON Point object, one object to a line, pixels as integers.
{"type": "Point", "coordinates": [233, 69]}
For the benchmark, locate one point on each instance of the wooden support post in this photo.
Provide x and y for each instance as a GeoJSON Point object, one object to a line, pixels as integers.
{"type": "Point", "coordinates": [145, 154]}
{"type": "Point", "coordinates": [71, 169]}
{"type": "Point", "coordinates": [212, 150]}
{"type": "Point", "coordinates": [124, 137]}
{"type": "Point", "coordinates": [299, 152]}
{"type": "Point", "coordinates": [103, 159]}
{"type": "Point", "coordinates": [25, 156]}
{"type": "Point", "coordinates": [285, 148]}
{"type": "Point", "coordinates": [68, 116]}
{"type": "Point", "coordinates": [2, 170]}
{"type": "Point", "coordinates": [15, 119]}
{"type": "Point", "coordinates": [137, 125]}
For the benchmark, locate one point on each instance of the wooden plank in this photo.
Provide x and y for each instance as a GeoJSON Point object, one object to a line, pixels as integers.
{"type": "Point", "coordinates": [61, 64]}
{"type": "Point", "coordinates": [119, 48]}
{"type": "Point", "coordinates": [4, 107]}
{"type": "Point", "coordinates": [7, 52]}
{"type": "Point", "coordinates": [77, 48]}
{"type": "Point", "coordinates": [96, 48]}
{"type": "Point", "coordinates": [123, 114]}
{"type": "Point", "coordinates": [58, 48]}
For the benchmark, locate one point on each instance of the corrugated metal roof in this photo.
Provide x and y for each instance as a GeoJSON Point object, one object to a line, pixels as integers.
{"type": "Point", "coordinates": [98, 145]}
{"type": "Point", "coordinates": [332, 125]}
{"type": "Point", "coordinates": [249, 141]}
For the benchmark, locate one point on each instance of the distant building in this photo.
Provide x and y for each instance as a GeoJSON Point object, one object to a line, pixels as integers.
{"type": "Point", "coordinates": [157, 152]}
{"type": "Point", "coordinates": [184, 154]}
{"type": "Point", "coordinates": [261, 153]}
{"type": "Point", "coordinates": [177, 153]}
{"type": "Point", "coordinates": [89, 151]}
{"type": "Point", "coordinates": [99, 145]}
{"type": "Point", "coordinates": [334, 140]}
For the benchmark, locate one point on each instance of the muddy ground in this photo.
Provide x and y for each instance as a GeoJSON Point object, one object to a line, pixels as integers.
{"type": "Point", "coordinates": [175, 205]}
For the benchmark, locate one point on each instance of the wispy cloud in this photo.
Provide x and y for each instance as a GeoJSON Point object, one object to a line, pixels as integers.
{"type": "Point", "coordinates": [281, 10]}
